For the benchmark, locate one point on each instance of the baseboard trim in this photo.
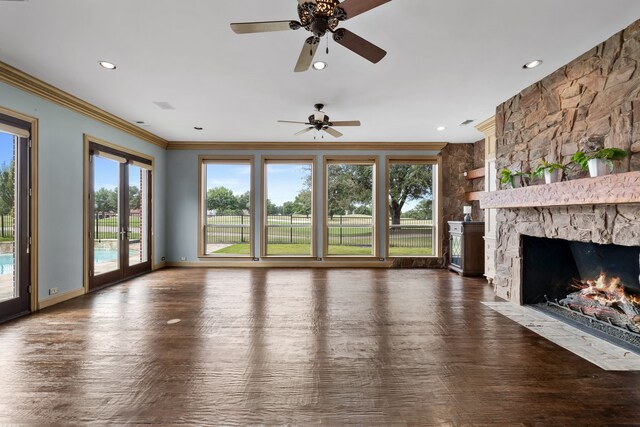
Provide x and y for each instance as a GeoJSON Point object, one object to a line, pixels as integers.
{"type": "Point", "coordinates": [159, 266]}
{"type": "Point", "coordinates": [60, 298]}
{"type": "Point", "coordinates": [281, 264]}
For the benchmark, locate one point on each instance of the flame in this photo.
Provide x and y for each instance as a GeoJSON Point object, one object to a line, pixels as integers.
{"type": "Point", "coordinates": [607, 291]}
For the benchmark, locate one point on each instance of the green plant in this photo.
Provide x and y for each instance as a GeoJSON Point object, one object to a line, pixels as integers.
{"type": "Point", "coordinates": [547, 167]}
{"type": "Point", "coordinates": [609, 155]}
{"type": "Point", "coordinates": [508, 177]}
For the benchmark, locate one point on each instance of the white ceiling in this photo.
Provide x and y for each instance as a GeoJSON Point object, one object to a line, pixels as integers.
{"type": "Point", "coordinates": [447, 61]}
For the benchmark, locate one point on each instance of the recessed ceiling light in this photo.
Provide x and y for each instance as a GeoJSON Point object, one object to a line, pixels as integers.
{"type": "Point", "coordinates": [319, 65]}
{"type": "Point", "coordinates": [108, 65]}
{"type": "Point", "coordinates": [532, 64]}
{"type": "Point", "coordinates": [441, 128]}
{"type": "Point", "coordinates": [197, 128]}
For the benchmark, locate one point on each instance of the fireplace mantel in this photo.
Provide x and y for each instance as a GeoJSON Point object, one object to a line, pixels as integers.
{"type": "Point", "coordinates": [609, 189]}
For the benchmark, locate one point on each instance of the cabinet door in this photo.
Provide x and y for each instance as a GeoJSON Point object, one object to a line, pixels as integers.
{"type": "Point", "coordinates": [456, 249]}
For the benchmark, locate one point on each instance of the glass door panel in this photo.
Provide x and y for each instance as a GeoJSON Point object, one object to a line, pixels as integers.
{"type": "Point", "coordinates": [9, 288]}
{"type": "Point", "coordinates": [14, 220]}
{"type": "Point", "coordinates": [138, 219]}
{"type": "Point", "coordinates": [107, 235]}
{"type": "Point", "coordinates": [120, 216]}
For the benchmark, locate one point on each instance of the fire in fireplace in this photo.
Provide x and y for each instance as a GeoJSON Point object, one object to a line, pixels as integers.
{"type": "Point", "coordinates": [594, 286]}
{"type": "Point", "coordinates": [605, 299]}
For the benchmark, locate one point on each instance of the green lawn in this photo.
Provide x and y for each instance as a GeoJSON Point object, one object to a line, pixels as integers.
{"type": "Point", "coordinates": [399, 251]}
{"type": "Point", "coordinates": [289, 249]}
{"type": "Point", "coordinates": [303, 249]}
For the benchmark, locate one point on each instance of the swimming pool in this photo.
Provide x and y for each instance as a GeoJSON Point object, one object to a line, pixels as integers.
{"type": "Point", "coordinates": [99, 256]}
{"type": "Point", "coordinates": [6, 263]}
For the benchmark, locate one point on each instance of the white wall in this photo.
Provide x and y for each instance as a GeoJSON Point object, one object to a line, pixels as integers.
{"type": "Point", "coordinates": [182, 191]}
{"type": "Point", "coordinates": [60, 195]}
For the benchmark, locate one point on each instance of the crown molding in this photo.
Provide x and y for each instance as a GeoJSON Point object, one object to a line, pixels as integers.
{"type": "Point", "coordinates": [488, 126]}
{"type": "Point", "coordinates": [323, 146]}
{"type": "Point", "coordinates": [35, 86]}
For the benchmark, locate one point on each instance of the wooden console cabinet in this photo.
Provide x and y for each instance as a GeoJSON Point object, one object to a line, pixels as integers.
{"type": "Point", "coordinates": [466, 247]}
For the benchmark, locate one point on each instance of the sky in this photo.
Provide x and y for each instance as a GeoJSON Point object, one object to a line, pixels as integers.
{"type": "Point", "coordinates": [6, 148]}
{"type": "Point", "coordinates": [105, 173]}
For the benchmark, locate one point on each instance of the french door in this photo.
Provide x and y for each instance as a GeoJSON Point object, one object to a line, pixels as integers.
{"type": "Point", "coordinates": [15, 184]}
{"type": "Point", "coordinates": [119, 215]}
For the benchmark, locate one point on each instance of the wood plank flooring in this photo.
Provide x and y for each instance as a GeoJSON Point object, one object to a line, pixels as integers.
{"type": "Point", "coordinates": [298, 347]}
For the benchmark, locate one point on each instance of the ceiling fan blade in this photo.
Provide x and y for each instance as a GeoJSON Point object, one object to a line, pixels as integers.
{"type": "Point", "coordinates": [353, 8]}
{"type": "Point", "coordinates": [359, 45]}
{"type": "Point", "coordinates": [263, 27]}
{"type": "Point", "coordinates": [304, 131]}
{"type": "Point", "coordinates": [332, 132]}
{"type": "Point", "coordinates": [346, 123]}
{"type": "Point", "coordinates": [306, 55]}
{"type": "Point", "coordinates": [289, 121]}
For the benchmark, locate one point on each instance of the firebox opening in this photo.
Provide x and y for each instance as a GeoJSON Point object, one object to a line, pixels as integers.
{"type": "Point", "coordinates": [593, 286]}
{"type": "Point", "coordinates": [550, 266]}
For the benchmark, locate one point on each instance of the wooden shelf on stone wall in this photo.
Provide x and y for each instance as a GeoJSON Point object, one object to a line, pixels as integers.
{"type": "Point", "coordinates": [471, 196]}
{"type": "Point", "coordinates": [474, 174]}
{"type": "Point", "coordinates": [609, 189]}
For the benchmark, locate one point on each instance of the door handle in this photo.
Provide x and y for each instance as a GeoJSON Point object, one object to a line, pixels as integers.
{"type": "Point", "coordinates": [123, 233]}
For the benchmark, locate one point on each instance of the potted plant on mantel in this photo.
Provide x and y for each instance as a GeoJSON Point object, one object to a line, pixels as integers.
{"type": "Point", "coordinates": [552, 172]}
{"type": "Point", "coordinates": [599, 162]}
{"type": "Point", "coordinates": [514, 179]}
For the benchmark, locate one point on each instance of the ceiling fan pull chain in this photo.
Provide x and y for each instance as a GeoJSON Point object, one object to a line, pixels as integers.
{"type": "Point", "coordinates": [327, 44]}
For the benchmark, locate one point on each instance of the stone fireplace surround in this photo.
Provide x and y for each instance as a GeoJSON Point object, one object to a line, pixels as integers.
{"type": "Point", "coordinates": [604, 210]}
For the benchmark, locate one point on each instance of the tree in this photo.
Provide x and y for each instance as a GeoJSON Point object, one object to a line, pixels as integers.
{"type": "Point", "coordinates": [423, 210]}
{"type": "Point", "coordinates": [407, 182]}
{"type": "Point", "coordinates": [106, 200]}
{"type": "Point", "coordinates": [302, 203]}
{"type": "Point", "coordinates": [288, 208]}
{"type": "Point", "coordinates": [350, 187]}
{"type": "Point", "coordinates": [273, 209]}
{"type": "Point", "coordinates": [7, 188]}
{"type": "Point", "coordinates": [134, 197]}
{"type": "Point", "coordinates": [244, 201]}
{"type": "Point", "coordinates": [221, 199]}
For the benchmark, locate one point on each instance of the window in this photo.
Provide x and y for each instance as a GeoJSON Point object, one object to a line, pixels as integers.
{"type": "Point", "coordinates": [288, 207]}
{"type": "Point", "coordinates": [350, 213]}
{"type": "Point", "coordinates": [226, 207]}
{"type": "Point", "coordinates": [411, 207]}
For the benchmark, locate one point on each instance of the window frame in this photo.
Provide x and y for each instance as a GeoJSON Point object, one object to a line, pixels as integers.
{"type": "Point", "coordinates": [203, 161]}
{"type": "Point", "coordinates": [435, 161]}
{"type": "Point", "coordinates": [351, 160]}
{"type": "Point", "coordinates": [283, 160]}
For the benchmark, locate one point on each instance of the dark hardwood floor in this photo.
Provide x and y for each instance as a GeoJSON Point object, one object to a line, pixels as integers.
{"type": "Point", "coordinates": [299, 347]}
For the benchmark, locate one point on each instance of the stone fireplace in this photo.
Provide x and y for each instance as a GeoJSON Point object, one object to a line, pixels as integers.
{"type": "Point", "coordinates": [600, 224]}
{"type": "Point", "coordinates": [554, 240]}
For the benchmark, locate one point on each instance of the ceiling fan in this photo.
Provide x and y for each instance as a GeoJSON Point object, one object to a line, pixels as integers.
{"type": "Point", "coordinates": [320, 122]}
{"type": "Point", "coordinates": [318, 17]}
